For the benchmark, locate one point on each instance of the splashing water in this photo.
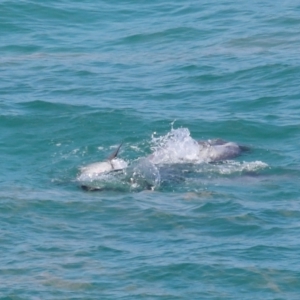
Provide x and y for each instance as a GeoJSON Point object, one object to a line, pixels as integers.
{"type": "Point", "coordinates": [177, 146]}
{"type": "Point", "coordinates": [143, 173]}
{"type": "Point", "coordinates": [175, 157]}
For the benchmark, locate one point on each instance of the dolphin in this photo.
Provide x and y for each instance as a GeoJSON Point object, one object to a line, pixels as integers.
{"type": "Point", "coordinates": [90, 172]}
{"type": "Point", "coordinates": [218, 149]}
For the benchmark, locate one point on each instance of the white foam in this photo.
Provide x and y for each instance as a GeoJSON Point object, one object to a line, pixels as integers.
{"type": "Point", "coordinates": [176, 146]}
{"type": "Point", "coordinates": [232, 167]}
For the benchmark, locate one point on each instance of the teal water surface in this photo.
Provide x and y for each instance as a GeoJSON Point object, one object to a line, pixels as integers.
{"type": "Point", "coordinates": [80, 77]}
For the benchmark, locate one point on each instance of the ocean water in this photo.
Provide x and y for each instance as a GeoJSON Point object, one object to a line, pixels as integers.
{"type": "Point", "coordinates": [80, 77]}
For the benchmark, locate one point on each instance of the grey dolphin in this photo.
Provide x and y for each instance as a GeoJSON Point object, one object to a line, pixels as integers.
{"type": "Point", "coordinates": [91, 171]}
{"type": "Point", "coordinates": [218, 149]}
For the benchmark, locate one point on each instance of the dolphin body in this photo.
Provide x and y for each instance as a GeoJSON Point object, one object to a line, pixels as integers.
{"type": "Point", "coordinates": [218, 149]}
{"type": "Point", "coordinates": [89, 172]}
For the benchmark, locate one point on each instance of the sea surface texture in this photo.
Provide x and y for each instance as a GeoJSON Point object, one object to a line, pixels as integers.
{"type": "Point", "coordinates": [78, 78]}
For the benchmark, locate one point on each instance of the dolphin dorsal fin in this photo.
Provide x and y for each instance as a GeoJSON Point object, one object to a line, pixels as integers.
{"type": "Point", "coordinates": [115, 153]}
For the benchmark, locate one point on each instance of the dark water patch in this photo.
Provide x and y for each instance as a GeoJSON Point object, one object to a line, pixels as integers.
{"type": "Point", "coordinates": [165, 36]}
